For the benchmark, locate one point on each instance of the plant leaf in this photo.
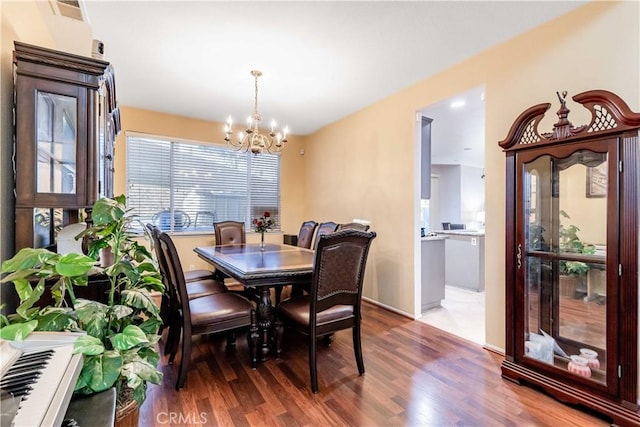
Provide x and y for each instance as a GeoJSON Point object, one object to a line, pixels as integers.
{"type": "Point", "coordinates": [121, 311]}
{"type": "Point", "coordinates": [20, 275]}
{"type": "Point", "coordinates": [88, 345]}
{"type": "Point", "coordinates": [23, 289]}
{"type": "Point", "coordinates": [25, 259]}
{"type": "Point", "coordinates": [72, 264]}
{"type": "Point", "coordinates": [150, 355]}
{"type": "Point", "coordinates": [100, 372]}
{"type": "Point", "coordinates": [56, 319]}
{"type": "Point", "coordinates": [150, 326]}
{"type": "Point", "coordinates": [18, 331]}
{"type": "Point", "coordinates": [92, 316]}
{"type": "Point", "coordinates": [32, 299]}
{"type": "Point", "coordinates": [107, 210]}
{"type": "Point", "coordinates": [140, 370]}
{"type": "Point", "coordinates": [141, 298]}
{"type": "Point", "coordinates": [130, 337]}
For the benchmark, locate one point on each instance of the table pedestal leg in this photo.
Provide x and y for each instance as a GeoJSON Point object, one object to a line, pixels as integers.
{"type": "Point", "coordinates": [264, 322]}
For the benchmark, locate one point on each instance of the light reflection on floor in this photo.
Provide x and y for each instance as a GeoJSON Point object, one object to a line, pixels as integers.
{"type": "Point", "coordinates": [462, 314]}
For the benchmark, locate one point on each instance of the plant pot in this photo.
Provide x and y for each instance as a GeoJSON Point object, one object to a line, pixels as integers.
{"type": "Point", "coordinates": [127, 415]}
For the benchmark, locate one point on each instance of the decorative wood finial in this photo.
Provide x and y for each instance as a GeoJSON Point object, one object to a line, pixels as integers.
{"type": "Point", "coordinates": [563, 128]}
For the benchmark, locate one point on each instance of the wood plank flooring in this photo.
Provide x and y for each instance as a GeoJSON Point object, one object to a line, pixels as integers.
{"type": "Point", "coordinates": [416, 375]}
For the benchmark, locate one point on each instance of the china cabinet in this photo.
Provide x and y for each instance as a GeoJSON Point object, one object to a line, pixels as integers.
{"type": "Point", "coordinates": [572, 255]}
{"type": "Point", "coordinates": [66, 120]}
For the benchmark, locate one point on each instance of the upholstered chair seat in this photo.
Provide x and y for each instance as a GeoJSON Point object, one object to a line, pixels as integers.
{"type": "Point", "coordinates": [220, 311]}
{"type": "Point", "coordinates": [296, 310]}
{"type": "Point", "coordinates": [193, 275]}
{"type": "Point", "coordinates": [201, 288]}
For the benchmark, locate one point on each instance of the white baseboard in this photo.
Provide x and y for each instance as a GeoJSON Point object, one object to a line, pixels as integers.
{"type": "Point", "coordinates": [494, 349]}
{"type": "Point", "coordinates": [388, 307]}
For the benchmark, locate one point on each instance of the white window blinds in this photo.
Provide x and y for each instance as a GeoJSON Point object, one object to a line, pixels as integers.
{"type": "Point", "coordinates": [181, 186]}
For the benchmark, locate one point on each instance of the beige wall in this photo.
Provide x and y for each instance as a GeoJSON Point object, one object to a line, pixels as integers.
{"type": "Point", "coordinates": [292, 177]}
{"type": "Point", "coordinates": [371, 154]}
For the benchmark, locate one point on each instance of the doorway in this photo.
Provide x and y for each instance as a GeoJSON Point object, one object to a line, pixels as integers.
{"type": "Point", "coordinates": [456, 154]}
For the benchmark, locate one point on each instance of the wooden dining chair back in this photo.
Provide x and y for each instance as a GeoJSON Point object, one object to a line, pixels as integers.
{"type": "Point", "coordinates": [305, 235]}
{"type": "Point", "coordinates": [199, 283]}
{"type": "Point", "coordinates": [336, 295]}
{"type": "Point", "coordinates": [222, 312]}
{"type": "Point", "coordinates": [229, 232]}
{"type": "Point", "coordinates": [324, 228]}
{"type": "Point", "coordinates": [353, 226]}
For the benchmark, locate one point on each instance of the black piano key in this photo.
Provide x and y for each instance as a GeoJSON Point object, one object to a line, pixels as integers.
{"type": "Point", "coordinates": [19, 391]}
{"type": "Point", "coordinates": [27, 367]}
{"type": "Point", "coordinates": [42, 355]}
{"type": "Point", "coordinates": [24, 379]}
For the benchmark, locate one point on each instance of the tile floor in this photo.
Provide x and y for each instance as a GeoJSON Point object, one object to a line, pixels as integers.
{"type": "Point", "coordinates": [462, 314]}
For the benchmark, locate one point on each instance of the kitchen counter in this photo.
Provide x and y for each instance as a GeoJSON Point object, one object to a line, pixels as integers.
{"type": "Point", "coordinates": [460, 232]}
{"type": "Point", "coordinates": [433, 271]}
{"type": "Point", "coordinates": [432, 238]}
{"type": "Point", "coordinates": [464, 258]}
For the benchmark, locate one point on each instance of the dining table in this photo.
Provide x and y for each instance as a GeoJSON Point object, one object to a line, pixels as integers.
{"type": "Point", "coordinates": [261, 267]}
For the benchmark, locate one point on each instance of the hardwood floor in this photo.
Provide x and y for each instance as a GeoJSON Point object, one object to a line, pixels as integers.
{"type": "Point", "coordinates": [416, 375]}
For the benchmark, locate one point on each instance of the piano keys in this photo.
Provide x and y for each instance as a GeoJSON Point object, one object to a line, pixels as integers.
{"type": "Point", "coordinates": [40, 374]}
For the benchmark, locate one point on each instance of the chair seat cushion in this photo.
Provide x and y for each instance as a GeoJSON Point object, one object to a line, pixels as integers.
{"type": "Point", "coordinates": [192, 275]}
{"type": "Point", "coordinates": [219, 309]}
{"type": "Point", "coordinates": [297, 309]}
{"type": "Point", "coordinates": [205, 287]}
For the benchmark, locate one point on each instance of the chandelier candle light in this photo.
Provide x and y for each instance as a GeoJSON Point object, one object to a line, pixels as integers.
{"type": "Point", "coordinates": [251, 139]}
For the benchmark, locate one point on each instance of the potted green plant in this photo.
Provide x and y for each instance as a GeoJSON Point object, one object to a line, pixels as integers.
{"type": "Point", "coordinates": [119, 347]}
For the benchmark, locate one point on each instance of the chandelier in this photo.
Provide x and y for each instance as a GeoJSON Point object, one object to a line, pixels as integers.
{"type": "Point", "coordinates": [251, 139]}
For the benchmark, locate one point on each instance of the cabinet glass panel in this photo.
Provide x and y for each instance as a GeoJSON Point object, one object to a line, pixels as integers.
{"type": "Point", "coordinates": [46, 224]}
{"type": "Point", "coordinates": [56, 145]}
{"type": "Point", "coordinates": [564, 262]}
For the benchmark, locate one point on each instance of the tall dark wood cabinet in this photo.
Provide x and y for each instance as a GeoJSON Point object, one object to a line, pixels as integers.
{"type": "Point", "coordinates": [66, 120]}
{"type": "Point", "coordinates": [572, 255]}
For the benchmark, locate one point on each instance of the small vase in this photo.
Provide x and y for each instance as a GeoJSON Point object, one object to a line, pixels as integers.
{"type": "Point", "coordinates": [591, 356]}
{"type": "Point", "coordinates": [579, 366]}
{"type": "Point", "coordinates": [262, 241]}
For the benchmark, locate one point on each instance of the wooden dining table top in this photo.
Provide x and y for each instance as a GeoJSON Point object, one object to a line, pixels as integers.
{"type": "Point", "coordinates": [276, 264]}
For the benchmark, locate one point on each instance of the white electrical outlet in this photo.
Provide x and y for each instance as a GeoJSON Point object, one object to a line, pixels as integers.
{"type": "Point", "coordinates": [474, 241]}
{"type": "Point", "coordinates": [192, 267]}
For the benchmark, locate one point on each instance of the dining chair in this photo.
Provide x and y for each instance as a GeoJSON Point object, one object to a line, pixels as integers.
{"type": "Point", "coordinates": [189, 275]}
{"type": "Point", "coordinates": [353, 226]}
{"type": "Point", "coordinates": [305, 235]}
{"type": "Point", "coordinates": [209, 314]}
{"type": "Point", "coordinates": [229, 232]}
{"type": "Point", "coordinates": [196, 287]}
{"type": "Point", "coordinates": [305, 238]}
{"type": "Point", "coordinates": [324, 228]}
{"type": "Point", "coordinates": [336, 295]}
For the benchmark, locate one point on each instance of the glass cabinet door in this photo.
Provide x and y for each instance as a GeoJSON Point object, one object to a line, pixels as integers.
{"type": "Point", "coordinates": [562, 261]}
{"type": "Point", "coordinates": [56, 124]}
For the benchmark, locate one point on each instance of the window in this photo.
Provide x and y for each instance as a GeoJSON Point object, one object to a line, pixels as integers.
{"type": "Point", "coordinates": [182, 186]}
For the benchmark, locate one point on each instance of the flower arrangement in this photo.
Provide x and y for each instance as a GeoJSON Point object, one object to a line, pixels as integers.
{"type": "Point", "coordinates": [263, 223]}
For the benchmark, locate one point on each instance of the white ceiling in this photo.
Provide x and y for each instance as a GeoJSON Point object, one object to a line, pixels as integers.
{"type": "Point", "coordinates": [321, 60]}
